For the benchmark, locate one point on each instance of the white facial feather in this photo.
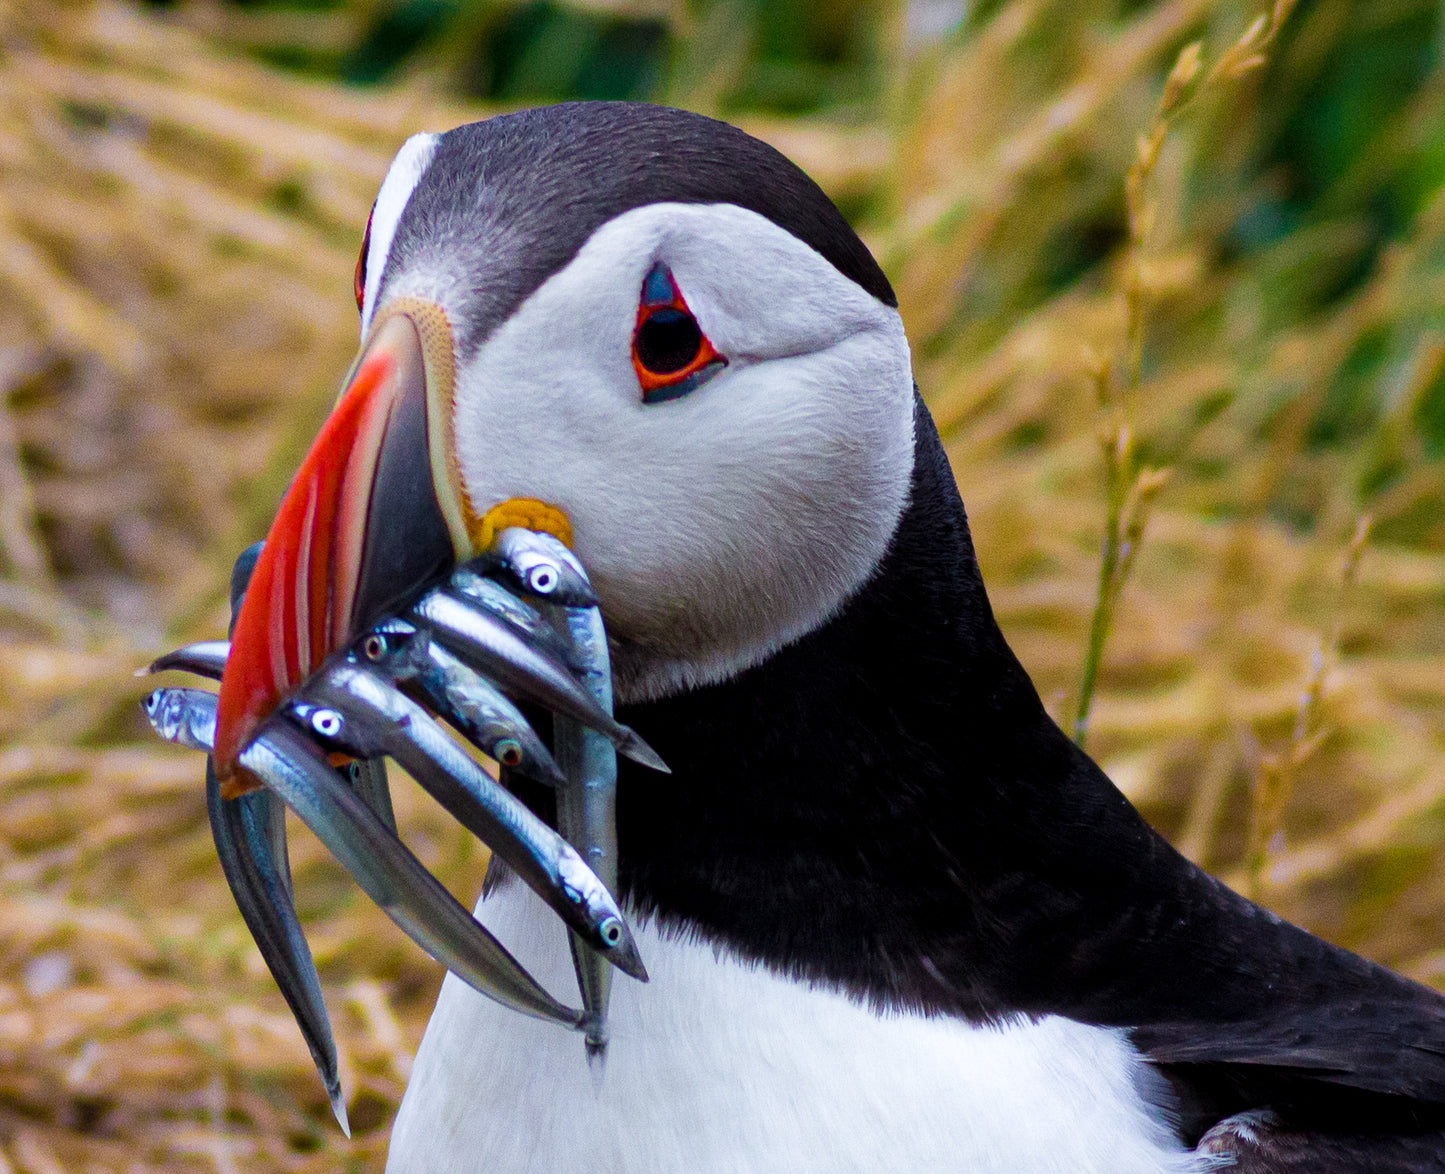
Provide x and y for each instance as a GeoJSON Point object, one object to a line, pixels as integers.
{"type": "Point", "coordinates": [725, 524]}
{"type": "Point", "coordinates": [401, 179]}
{"type": "Point", "coordinates": [716, 1067]}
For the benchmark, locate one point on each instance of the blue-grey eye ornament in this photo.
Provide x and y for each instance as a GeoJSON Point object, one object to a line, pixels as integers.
{"type": "Point", "coordinates": [670, 353]}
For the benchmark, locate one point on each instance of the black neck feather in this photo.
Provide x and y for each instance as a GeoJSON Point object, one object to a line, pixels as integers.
{"type": "Point", "coordinates": [880, 804]}
{"type": "Point", "coordinates": [885, 806]}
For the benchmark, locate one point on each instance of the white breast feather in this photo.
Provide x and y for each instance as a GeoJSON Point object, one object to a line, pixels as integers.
{"type": "Point", "coordinates": [717, 1067]}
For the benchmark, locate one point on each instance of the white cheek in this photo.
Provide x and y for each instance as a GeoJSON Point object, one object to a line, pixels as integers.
{"type": "Point", "coordinates": [721, 525]}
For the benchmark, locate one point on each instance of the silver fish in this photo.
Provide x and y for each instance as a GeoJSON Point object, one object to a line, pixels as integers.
{"type": "Point", "coordinates": [186, 717]}
{"type": "Point", "coordinates": [367, 777]}
{"type": "Point", "coordinates": [410, 658]}
{"type": "Point", "coordinates": [587, 807]}
{"type": "Point", "coordinates": [486, 593]}
{"type": "Point", "coordinates": [498, 651]}
{"type": "Point", "coordinates": [543, 566]}
{"type": "Point", "coordinates": [283, 758]}
{"type": "Point", "coordinates": [377, 719]}
{"type": "Point", "coordinates": [287, 762]}
{"type": "Point", "coordinates": [205, 658]}
{"type": "Point", "coordinates": [250, 835]}
{"type": "Point", "coordinates": [598, 933]}
{"type": "Point", "coordinates": [241, 571]}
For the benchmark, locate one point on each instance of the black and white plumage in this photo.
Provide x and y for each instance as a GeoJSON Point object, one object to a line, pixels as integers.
{"type": "Point", "coordinates": [894, 918]}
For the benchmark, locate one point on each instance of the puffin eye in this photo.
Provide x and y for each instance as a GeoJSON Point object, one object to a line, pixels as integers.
{"type": "Point", "coordinates": [670, 353]}
{"type": "Point", "coordinates": [667, 341]}
{"type": "Point", "coordinates": [359, 280]}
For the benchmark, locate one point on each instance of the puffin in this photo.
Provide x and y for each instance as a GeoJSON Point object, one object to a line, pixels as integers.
{"type": "Point", "coordinates": [894, 919]}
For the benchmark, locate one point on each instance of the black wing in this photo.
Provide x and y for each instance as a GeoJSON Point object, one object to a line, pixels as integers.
{"type": "Point", "coordinates": [1240, 1009]}
{"type": "Point", "coordinates": [1349, 1056]}
{"type": "Point", "coordinates": [1261, 1143]}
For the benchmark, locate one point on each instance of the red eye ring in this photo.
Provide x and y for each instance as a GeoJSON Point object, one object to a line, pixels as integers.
{"type": "Point", "coordinates": [670, 353]}
{"type": "Point", "coordinates": [358, 281]}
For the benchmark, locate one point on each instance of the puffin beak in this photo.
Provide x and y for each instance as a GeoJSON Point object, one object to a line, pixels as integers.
{"type": "Point", "coordinates": [375, 515]}
{"type": "Point", "coordinates": [374, 520]}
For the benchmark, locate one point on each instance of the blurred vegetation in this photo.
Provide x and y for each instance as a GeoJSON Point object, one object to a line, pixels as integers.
{"type": "Point", "coordinates": [1196, 324]}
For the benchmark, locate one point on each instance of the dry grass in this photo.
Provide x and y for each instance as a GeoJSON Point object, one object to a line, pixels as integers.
{"type": "Point", "coordinates": [177, 230]}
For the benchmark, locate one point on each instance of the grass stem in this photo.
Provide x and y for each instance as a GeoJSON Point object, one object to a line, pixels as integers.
{"type": "Point", "coordinates": [1130, 490]}
{"type": "Point", "coordinates": [1274, 781]}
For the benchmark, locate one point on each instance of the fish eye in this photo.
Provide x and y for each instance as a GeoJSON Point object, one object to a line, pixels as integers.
{"type": "Point", "coordinates": [611, 932]}
{"type": "Point", "coordinates": [507, 751]}
{"type": "Point", "coordinates": [152, 702]}
{"type": "Point", "coordinates": [326, 722]}
{"type": "Point", "coordinates": [374, 647]}
{"type": "Point", "coordinates": [543, 579]}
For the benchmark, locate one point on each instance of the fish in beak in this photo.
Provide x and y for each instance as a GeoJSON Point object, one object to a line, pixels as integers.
{"type": "Point", "coordinates": [375, 516]}
{"type": "Point", "coordinates": [379, 576]}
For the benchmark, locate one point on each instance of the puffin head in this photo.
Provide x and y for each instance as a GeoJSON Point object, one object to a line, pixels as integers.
{"type": "Point", "coordinates": [637, 328]}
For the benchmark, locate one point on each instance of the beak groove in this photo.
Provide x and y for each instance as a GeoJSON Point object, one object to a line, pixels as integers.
{"type": "Point", "coordinates": [365, 524]}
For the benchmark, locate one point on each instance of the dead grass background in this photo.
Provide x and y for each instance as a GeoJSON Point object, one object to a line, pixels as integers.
{"type": "Point", "coordinates": [177, 230]}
